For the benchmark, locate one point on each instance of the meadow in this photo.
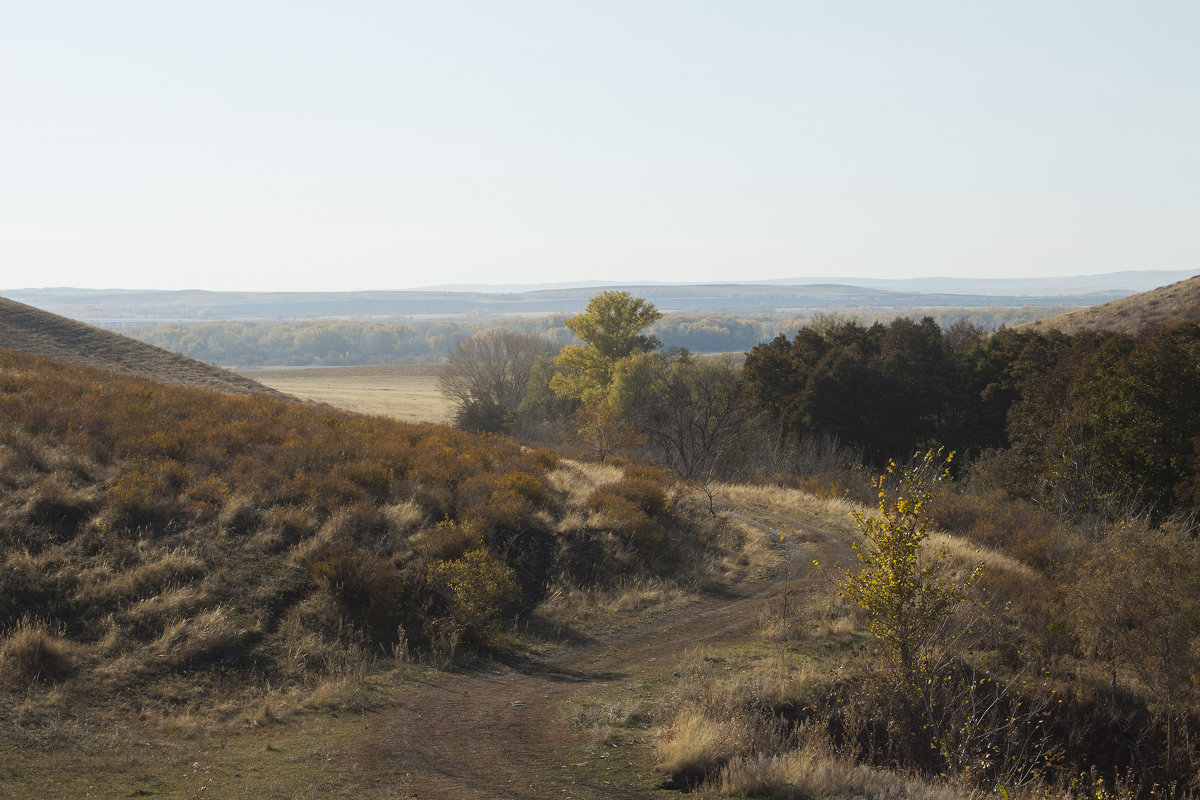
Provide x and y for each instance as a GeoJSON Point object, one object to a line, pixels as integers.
{"type": "Point", "coordinates": [407, 392]}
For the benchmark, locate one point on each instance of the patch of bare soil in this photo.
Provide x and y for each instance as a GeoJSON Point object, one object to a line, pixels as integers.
{"type": "Point", "coordinates": [503, 732]}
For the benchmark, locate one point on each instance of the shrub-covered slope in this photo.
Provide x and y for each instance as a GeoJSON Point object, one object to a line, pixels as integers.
{"type": "Point", "coordinates": [151, 531]}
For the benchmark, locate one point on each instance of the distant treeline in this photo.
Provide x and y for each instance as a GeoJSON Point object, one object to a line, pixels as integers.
{"type": "Point", "coordinates": [352, 342]}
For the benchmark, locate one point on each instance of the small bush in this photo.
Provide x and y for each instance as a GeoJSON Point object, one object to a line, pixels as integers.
{"type": "Point", "coordinates": [476, 591]}
{"type": "Point", "coordinates": [625, 517]}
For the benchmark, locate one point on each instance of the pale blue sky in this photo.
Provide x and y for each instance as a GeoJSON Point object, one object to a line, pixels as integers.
{"type": "Point", "coordinates": [383, 145]}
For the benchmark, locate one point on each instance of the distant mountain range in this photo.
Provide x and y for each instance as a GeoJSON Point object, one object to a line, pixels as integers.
{"type": "Point", "coordinates": [118, 306]}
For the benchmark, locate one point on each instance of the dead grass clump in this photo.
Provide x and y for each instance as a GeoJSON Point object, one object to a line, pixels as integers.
{"type": "Point", "coordinates": [604, 720]}
{"type": "Point", "coordinates": [795, 503]}
{"type": "Point", "coordinates": [32, 652]}
{"type": "Point", "coordinates": [814, 769]}
{"type": "Point", "coordinates": [404, 517]}
{"type": "Point", "coordinates": [591, 604]}
{"type": "Point", "coordinates": [21, 453]}
{"type": "Point", "coordinates": [204, 636]}
{"type": "Point", "coordinates": [695, 745]}
{"type": "Point", "coordinates": [105, 585]}
{"type": "Point", "coordinates": [310, 639]}
{"type": "Point", "coordinates": [578, 479]}
{"type": "Point", "coordinates": [239, 516]}
{"type": "Point", "coordinates": [716, 719]}
{"type": "Point", "coordinates": [53, 504]}
{"type": "Point", "coordinates": [345, 674]}
{"type": "Point", "coordinates": [151, 615]}
{"type": "Point", "coordinates": [281, 527]}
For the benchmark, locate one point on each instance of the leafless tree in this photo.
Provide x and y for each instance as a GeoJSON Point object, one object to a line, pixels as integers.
{"type": "Point", "coordinates": [488, 376]}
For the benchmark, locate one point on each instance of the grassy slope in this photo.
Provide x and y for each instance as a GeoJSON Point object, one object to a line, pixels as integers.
{"type": "Point", "coordinates": [1179, 302]}
{"type": "Point", "coordinates": [30, 330]}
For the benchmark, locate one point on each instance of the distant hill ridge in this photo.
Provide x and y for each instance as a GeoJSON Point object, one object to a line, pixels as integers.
{"type": "Point", "coordinates": [1178, 302]}
{"type": "Point", "coordinates": [30, 330]}
{"type": "Point", "coordinates": [117, 307]}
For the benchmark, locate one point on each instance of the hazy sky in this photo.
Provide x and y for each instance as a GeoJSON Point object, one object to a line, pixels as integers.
{"type": "Point", "coordinates": [378, 144]}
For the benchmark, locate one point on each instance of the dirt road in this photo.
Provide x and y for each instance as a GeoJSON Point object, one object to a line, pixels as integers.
{"type": "Point", "coordinates": [503, 733]}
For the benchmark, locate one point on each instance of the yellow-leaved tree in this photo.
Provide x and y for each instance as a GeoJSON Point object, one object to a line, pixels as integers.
{"type": "Point", "coordinates": [907, 598]}
{"type": "Point", "coordinates": [610, 329]}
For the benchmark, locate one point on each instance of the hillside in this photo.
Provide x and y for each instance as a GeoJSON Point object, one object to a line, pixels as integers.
{"type": "Point", "coordinates": [1178, 302]}
{"type": "Point", "coordinates": [26, 329]}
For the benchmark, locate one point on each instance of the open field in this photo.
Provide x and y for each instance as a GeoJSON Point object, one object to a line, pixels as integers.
{"type": "Point", "coordinates": [406, 392]}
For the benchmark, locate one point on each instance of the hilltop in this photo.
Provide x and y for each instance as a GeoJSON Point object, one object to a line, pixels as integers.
{"type": "Point", "coordinates": [26, 329]}
{"type": "Point", "coordinates": [1178, 302]}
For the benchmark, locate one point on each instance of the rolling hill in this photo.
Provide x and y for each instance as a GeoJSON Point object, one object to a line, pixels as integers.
{"type": "Point", "coordinates": [1178, 302]}
{"type": "Point", "coordinates": [26, 329]}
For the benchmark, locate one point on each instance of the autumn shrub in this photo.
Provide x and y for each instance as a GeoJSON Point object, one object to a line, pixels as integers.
{"type": "Point", "coordinates": [631, 506]}
{"type": "Point", "coordinates": [475, 591]}
{"type": "Point", "coordinates": [644, 486]}
{"type": "Point", "coordinates": [446, 541]}
{"type": "Point", "coordinates": [623, 516]}
{"type": "Point", "coordinates": [1012, 526]}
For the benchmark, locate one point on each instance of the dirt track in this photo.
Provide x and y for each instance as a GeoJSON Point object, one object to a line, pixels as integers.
{"type": "Point", "coordinates": [503, 733]}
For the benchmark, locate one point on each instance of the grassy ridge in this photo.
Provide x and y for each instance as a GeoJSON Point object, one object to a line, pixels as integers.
{"type": "Point", "coordinates": [1159, 308]}
{"type": "Point", "coordinates": [30, 330]}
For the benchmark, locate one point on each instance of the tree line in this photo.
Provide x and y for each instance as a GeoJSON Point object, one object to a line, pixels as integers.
{"type": "Point", "coordinates": [1089, 424]}
{"type": "Point", "coordinates": [356, 342]}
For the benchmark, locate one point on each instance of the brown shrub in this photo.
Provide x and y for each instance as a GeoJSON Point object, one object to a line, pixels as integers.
{"type": "Point", "coordinates": [367, 587]}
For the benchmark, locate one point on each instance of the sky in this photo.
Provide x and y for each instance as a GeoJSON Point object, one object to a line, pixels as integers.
{"type": "Point", "coordinates": [388, 144]}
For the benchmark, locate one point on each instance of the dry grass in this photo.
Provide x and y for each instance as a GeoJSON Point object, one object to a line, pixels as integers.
{"type": "Point", "coordinates": [814, 770]}
{"type": "Point", "coordinates": [795, 504]}
{"type": "Point", "coordinates": [578, 479]}
{"type": "Point", "coordinates": [404, 392]}
{"type": "Point", "coordinates": [1178, 302]}
{"type": "Point", "coordinates": [32, 652]}
{"type": "Point", "coordinates": [593, 607]}
{"type": "Point", "coordinates": [26, 329]}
